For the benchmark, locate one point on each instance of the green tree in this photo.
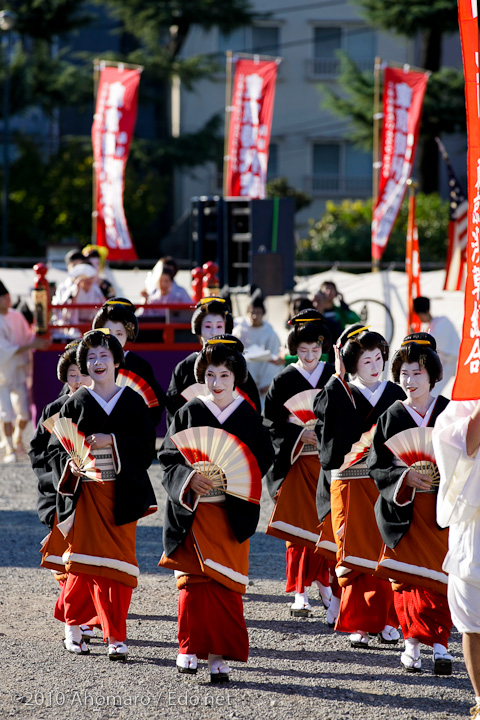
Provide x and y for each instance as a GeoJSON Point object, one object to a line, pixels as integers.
{"type": "Point", "coordinates": [344, 231]}
{"type": "Point", "coordinates": [279, 187]}
{"type": "Point", "coordinates": [444, 108]}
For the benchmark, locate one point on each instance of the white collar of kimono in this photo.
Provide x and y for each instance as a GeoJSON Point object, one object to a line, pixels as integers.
{"type": "Point", "coordinates": [125, 352]}
{"type": "Point", "coordinates": [224, 414]}
{"type": "Point", "coordinates": [373, 396]}
{"type": "Point", "coordinates": [107, 406]}
{"type": "Point", "coordinates": [313, 377]}
{"type": "Point", "coordinates": [421, 421]}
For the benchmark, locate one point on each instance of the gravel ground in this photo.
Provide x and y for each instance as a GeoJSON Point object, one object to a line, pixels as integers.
{"type": "Point", "coordinates": [297, 668]}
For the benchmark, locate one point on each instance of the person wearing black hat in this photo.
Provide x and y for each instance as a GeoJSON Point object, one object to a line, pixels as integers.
{"type": "Point", "coordinates": [16, 339]}
{"type": "Point", "coordinates": [406, 508]}
{"type": "Point", "coordinates": [292, 481]}
{"type": "Point", "coordinates": [211, 317]}
{"type": "Point", "coordinates": [346, 494]}
{"type": "Point", "coordinates": [213, 577]}
{"type": "Point", "coordinates": [261, 342]}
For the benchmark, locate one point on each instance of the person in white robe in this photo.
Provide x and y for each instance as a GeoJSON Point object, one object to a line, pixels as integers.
{"type": "Point", "coordinates": [456, 439]}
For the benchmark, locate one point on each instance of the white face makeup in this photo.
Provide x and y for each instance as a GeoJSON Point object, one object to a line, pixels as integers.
{"type": "Point", "coordinates": [212, 325]}
{"type": "Point", "coordinates": [75, 379]}
{"type": "Point", "coordinates": [220, 382]}
{"type": "Point", "coordinates": [100, 365]}
{"type": "Point", "coordinates": [370, 366]}
{"type": "Point", "coordinates": [117, 329]}
{"type": "Point", "coordinates": [309, 355]}
{"type": "Point", "coordinates": [414, 381]}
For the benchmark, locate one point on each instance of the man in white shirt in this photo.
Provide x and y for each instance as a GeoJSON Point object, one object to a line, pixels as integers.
{"type": "Point", "coordinates": [16, 340]}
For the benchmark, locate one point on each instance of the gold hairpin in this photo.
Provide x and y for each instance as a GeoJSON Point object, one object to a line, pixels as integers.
{"type": "Point", "coordinates": [418, 342]}
{"type": "Point", "coordinates": [105, 331]}
{"type": "Point", "coordinates": [205, 300]}
{"type": "Point", "coordinates": [214, 341]}
{"type": "Point", "coordinates": [355, 332]}
{"type": "Point", "coordinates": [303, 320]}
{"type": "Point", "coordinates": [119, 302]}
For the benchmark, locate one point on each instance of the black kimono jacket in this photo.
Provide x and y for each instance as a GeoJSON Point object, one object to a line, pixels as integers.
{"type": "Point", "coordinates": [183, 377]}
{"type": "Point", "coordinates": [246, 424]}
{"type": "Point", "coordinates": [284, 434]}
{"type": "Point", "coordinates": [132, 426]}
{"type": "Point", "coordinates": [340, 424]}
{"type": "Point", "coordinates": [393, 520]}
{"type": "Point", "coordinates": [39, 458]}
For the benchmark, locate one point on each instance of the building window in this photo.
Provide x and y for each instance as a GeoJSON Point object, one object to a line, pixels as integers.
{"type": "Point", "coordinates": [340, 169]}
{"type": "Point", "coordinates": [358, 41]}
{"type": "Point", "coordinates": [255, 40]}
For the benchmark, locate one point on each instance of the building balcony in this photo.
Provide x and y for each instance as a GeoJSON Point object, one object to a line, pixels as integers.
{"type": "Point", "coordinates": [324, 68]}
{"type": "Point", "coordinates": [338, 186]}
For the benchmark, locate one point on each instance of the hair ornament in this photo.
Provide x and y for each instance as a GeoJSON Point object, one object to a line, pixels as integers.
{"type": "Point", "coordinates": [214, 341]}
{"type": "Point", "coordinates": [119, 302]}
{"type": "Point", "coordinates": [359, 330]}
{"type": "Point", "coordinates": [105, 331]}
{"type": "Point", "coordinates": [211, 298]}
{"type": "Point", "coordinates": [417, 342]}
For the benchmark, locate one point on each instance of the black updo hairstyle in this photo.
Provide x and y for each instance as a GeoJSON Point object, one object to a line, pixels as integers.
{"type": "Point", "coordinates": [211, 306]}
{"type": "Point", "coordinates": [308, 326]}
{"type": "Point", "coordinates": [67, 358]}
{"type": "Point", "coordinates": [120, 310]}
{"type": "Point", "coordinates": [422, 348]}
{"type": "Point", "coordinates": [357, 339]}
{"type": "Point", "coordinates": [94, 339]}
{"type": "Point", "coordinates": [222, 350]}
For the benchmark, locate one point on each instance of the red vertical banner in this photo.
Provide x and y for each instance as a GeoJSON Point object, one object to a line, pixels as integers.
{"type": "Point", "coordinates": [467, 381]}
{"type": "Point", "coordinates": [412, 266]}
{"type": "Point", "coordinates": [250, 127]}
{"type": "Point", "coordinates": [112, 132]}
{"type": "Point", "coordinates": [402, 110]}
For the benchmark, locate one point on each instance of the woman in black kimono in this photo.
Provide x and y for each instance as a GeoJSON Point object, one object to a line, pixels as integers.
{"type": "Point", "coordinates": [118, 315]}
{"type": "Point", "coordinates": [345, 411]}
{"type": "Point", "coordinates": [206, 530]}
{"type": "Point", "coordinates": [100, 559]}
{"type": "Point", "coordinates": [55, 544]}
{"type": "Point", "coordinates": [292, 481]}
{"type": "Point", "coordinates": [406, 508]}
{"type": "Point", "coordinates": [210, 318]}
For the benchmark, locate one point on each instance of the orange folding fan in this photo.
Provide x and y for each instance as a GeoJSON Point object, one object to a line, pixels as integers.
{"type": "Point", "coordinates": [127, 378]}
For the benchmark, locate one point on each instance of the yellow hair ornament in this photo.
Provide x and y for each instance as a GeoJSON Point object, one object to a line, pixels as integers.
{"type": "Point", "coordinates": [214, 341]}
{"type": "Point", "coordinates": [205, 300]}
{"type": "Point", "coordinates": [355, 332]}
{"type": "Point", "coordinates": [120, 302]}
{"type": "Point", "coordinates": [418, 342]}
{"type": "Point", "coordinates": [303, 320]}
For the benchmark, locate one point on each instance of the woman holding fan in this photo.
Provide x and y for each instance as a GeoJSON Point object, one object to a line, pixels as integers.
{"type": "Point", "coordinates": [118, 316]}
{"type": "Point", "coordinates": [208, 523]}
{"type": "Point", "coordinates": [346, 412]}
{"type": "Point", "coordinates": [211, 317]}
{"type": "Point", "coordinates": [292, 481]}
{"type": "Point", "coordinates": [402, 463]}
{"type": "Point", "coordinates": [99, 518]}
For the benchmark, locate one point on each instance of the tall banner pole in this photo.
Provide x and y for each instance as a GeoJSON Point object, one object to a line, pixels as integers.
{"type": "Point", "coordinates": [377, 116]}
{"type": "Point", "coordinates": [96, 76]}
{"type": "Point", "coordinates": [228, 114]}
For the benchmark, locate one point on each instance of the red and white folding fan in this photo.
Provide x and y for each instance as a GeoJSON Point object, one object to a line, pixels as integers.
{"type": "Point", "coordinates": [223, 458]}
{"type": "Point", "coordinates": [50, 422]}
{"type": "Point", "coordinates": [127, 378]}
{"type": "Point", "coordinates": [73, 441]}
{"type": "Point", "coordinates": [301, 408]}
{"type": "Point", "coordinates": [414, 447]}
{"type": "Point", "coordinates": [193, 391]}
{"type": "Point", "coordinates": [359, 450]}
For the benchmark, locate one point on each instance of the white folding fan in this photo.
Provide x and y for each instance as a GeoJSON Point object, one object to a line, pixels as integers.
{"type": "Point", "coordinates": [73, 441]}
{"type": "Point", "coordinates": [301, 408]}
{"type": "Point", "coordinates": [127, 378]}
{"type": "Point", "coordinates": [50, 422]}
{"type": "Point", "coordinates": [223, 458]}
{"type": "Point", "coordinates": [193, 391]}
{"type": "Point", "coordinates": [359, 450]}
{"type": "Point", "coordinates": [414, 447]}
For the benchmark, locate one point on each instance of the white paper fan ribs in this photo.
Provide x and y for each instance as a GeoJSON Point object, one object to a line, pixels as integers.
{"type": "Point", "coordinates": [223, 458]}
{"type": "Point", "coordinates": [301, 408]}
{"type": "Point", "coordinates": [73, 441]}
{"type": "Point", "coordinates": [414, 447]}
